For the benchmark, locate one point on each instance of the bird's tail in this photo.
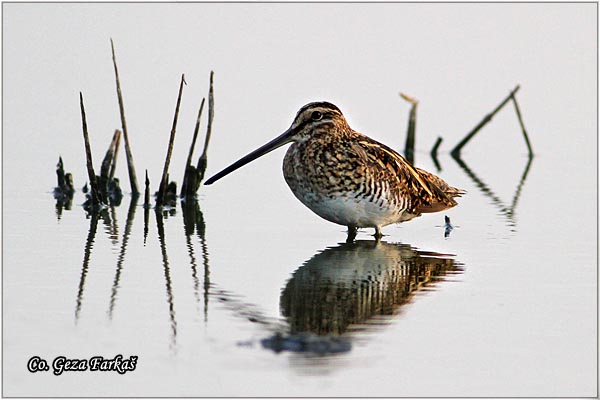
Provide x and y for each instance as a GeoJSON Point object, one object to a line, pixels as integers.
{"type": "Point", "coordinates": [445, 193]}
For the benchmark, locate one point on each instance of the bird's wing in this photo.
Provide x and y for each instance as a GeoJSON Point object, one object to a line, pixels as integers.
{"type": "Point", "coordinates": [418, 184]}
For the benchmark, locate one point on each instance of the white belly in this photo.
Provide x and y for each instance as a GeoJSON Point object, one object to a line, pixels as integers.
{"type": "Point", "coordinates": [350, 211]}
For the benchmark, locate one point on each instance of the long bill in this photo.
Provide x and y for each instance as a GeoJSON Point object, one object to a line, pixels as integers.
{"type": "Point", "coordinates": [279, 141]}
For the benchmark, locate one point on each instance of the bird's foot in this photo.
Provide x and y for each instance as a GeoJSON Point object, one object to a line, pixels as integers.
{"type": "Point", "coordinates": [378, 235]}
{"type": "Point", "coordinates": [351, 234]}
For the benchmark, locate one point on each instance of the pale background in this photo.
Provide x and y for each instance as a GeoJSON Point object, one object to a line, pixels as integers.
{"type": "Point", "coordinates": [520, 321]}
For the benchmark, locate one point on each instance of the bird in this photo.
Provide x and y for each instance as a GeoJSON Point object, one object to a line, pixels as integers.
{"type": "Point", "coordinates": [348, 178]}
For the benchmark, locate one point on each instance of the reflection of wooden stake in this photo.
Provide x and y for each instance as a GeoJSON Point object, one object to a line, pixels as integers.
{"type": "Point", "coordinates": [130, 165]}
{"type": "Point", "coordinates": [434, 151]}
{"type": "Point", "coordinates": [456, 151]}
{"type": "Point", "coordinates": [163, 182]}
{"type": "Point", "coordinates": [202, 161]}
{"type": "Point", "coordinates": [87, 254]}
{"type": "Point", "coordinates": [88, 156]}
{"type": "Point", "coordinates": [522, 125]}
{"type": "Point", "coordinates": [409, 148]}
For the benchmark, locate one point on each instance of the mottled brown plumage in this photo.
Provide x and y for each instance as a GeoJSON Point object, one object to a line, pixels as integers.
{"type": "Point", "coordinates": [348, 178]}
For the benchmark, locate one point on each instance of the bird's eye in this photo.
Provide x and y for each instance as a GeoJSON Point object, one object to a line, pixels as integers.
{"type": "Point", "coordinates": [316, 115]}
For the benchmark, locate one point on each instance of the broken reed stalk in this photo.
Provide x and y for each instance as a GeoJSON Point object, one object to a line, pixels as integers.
{"type": "Point", "coordinates": [196, 129]}
{"type": "Point", "coordinates": [163, 182]}
{"type": "Point", "coordinates": [110, 157]}
{"type": "Point", "coordinates": [60, 173]}
{"type": "Point", "coordinates": [95, 194]}
{"type": "Point", "coordinates": [147, 192]}
{"type": "Point", "coordinates": [409, 148]}
{"type": "Point", "coordinates": [434, 151]}
{"type": "Point", "coordinates": [113, 166]}
{"type": "Point", "coordinates": [188, 163]}
{"type": "Point", "coordinates": [130, 164]}
{"type": "Point", "coordinates": [456, 151]}
{"type": "Point", "coordinates": [518, 111]}
{"type": "Point", "coordinates": [146, 207]}
{"type": "Point", "coordinates": [202, 161]}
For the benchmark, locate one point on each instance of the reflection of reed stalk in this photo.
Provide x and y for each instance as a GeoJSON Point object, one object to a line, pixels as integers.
{"type": "Point", "coordinates": [87, 253]}
{"type": "Point", "coordinates": [434, 151]}
{"type": "Point", "coordinates": [507, 211]}
{"type": "Point", "coordinates": [165, 258]}
{"type": "Point", "coordinates": [517, 194]}
{"type": "Point", "coordinates": [121, 257]}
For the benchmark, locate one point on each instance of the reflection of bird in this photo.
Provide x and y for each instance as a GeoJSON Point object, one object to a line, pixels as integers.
{"type": "Point", "coordinates": [354, 282]}
{"type": "Point", "coordinates": [348, 178]}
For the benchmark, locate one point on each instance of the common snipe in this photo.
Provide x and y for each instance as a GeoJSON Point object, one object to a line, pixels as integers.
{"type": "Point", "coordinates": [348, 178]}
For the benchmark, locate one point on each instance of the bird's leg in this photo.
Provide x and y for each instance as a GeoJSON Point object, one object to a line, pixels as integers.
{"type": "Point", "coordinates": [378, 235]}
{"type": "Point", "coordinates": [351, 234]}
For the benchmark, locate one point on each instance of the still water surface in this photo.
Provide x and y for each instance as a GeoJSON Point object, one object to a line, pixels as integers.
{"type": "Point", "coordinates": [246, 292]}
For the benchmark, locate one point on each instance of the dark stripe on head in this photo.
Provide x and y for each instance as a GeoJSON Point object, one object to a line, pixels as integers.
{"type": "Point", "coordinates": [319, 104]}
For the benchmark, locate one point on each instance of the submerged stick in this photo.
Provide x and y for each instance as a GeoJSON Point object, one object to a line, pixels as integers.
{"type": "Point", "coordinates": [518, 111]}
{"type": "Point", "coordinates": [130, 164]}
{"type": "Point", "coordinates": [409, 147]}
{"type": "Point", "coordinates": [188, 163]}
{"type": "Point", "coordinates": [202, 161]}
{"type": "Point", "coordinates": [95, 194]}
{"type": "Point", "coordinates": [163, 182]}
{"type": "Point", "coordinates": [456, 151]}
